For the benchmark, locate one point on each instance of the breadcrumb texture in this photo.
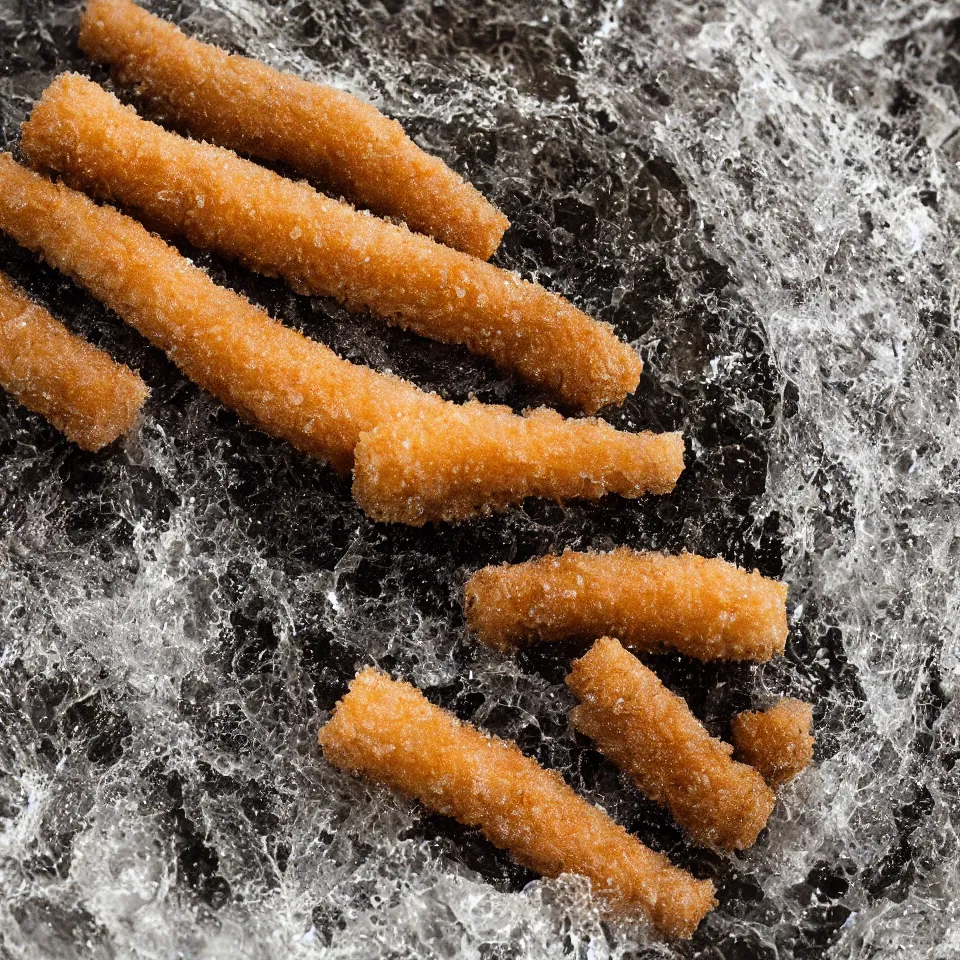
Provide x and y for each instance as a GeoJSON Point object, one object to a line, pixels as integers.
{"type": "Point", "coordinates": [326, 134]}
{"type": "Point", "coordinates": [453, 463]}
{"type": "Point", "coordinates": [274, 377]}
{"type": "Point", "coordinates": [390, 733]}
{"type": "Point", "coordinates": [650, 733]}
{"type": "Point", "coordinates": [703, 608]}
{"type": "Point", "coordinates": [778, 741]}
{"type": "Point", "coordinates": [81, 390]}
{"type": "Point", "coordinates": [277, 227]}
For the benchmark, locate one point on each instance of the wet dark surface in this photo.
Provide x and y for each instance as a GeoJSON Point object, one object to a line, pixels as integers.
{"type": "Point", "coordinates": [765, 200]}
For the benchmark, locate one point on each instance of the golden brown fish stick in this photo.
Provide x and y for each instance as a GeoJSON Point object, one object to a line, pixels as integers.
{"type": "Point", "coordinates": [704, 608]}
{"type": "Point", "coordinates": [778, 741]}
{"type": "Point", "coordinates": [390, 733]}
{"type": "Point", "coordinates": [289, 386]}
{"type": "Point", "coordinates": [456, 462]}
{"type": "Point", "coordinates": [281, 228]}
{"type": "Point", "coordinates": [81, 390]}
{"type": "Point", "coordinates": [650, 733]}
{"type": "Point", "coordinates": [326, 134]}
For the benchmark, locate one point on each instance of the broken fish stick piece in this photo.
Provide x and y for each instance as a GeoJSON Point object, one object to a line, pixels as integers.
{"type": "Point", "coordinates": [388, 732]}
{"type": "Point", "coordinates": [272, 376]}
{"type": "Point", "coordinates": [326, 134]}
{"type": "Point", "coordinates": [453, 463]}
{"type": "Point", "coordinates": [650, 733]}
{"type": "Point", "coordinates": [82, 391]}
{"type": "Point", "coordinates": [703, 608]}
{"type": "Point", "coordinates": [778, 742]}
{"type": "Point", "coordinates": [320, 246]}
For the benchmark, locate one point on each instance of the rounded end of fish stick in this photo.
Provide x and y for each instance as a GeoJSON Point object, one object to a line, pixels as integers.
{"type": "Point", "coordinates": [605, 654]}
{"type": "Point", "coordinates": [659, 462]}
{"type": "Point", "coordinates": [92, 23]}
{"type": "Point", "coordinates": [125, 410]}
{"type": "Point", "coordinates": [616, 375]}
{"type": "Point", "coordinates": [39, 130]}
{"type": "Point", "coordinates": [482, 606]}
{"type": "Point", "coordinates": [777, 742]}
{"type": "Point", "coordinates": [344, 738]}
{"type": "Point", "coordinates": [368, 488]}
{"type": "Point", "coordinates": [682, 903]}
{"type": "Point", "coordinates": [479, 237]}
{"type": "Point", "coordinates": [779, 617]}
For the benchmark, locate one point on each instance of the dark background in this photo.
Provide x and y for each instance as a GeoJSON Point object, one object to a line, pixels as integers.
{"type": "Point", "coordinates": [764, 199]}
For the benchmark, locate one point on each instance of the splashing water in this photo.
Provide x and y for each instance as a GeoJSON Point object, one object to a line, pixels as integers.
{"type": "Point", "coordinates": [763, 195]}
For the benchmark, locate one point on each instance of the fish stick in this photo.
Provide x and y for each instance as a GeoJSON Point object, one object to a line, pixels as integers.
{"type": "Point", "coordinates": [81, 390]}
{"type": "Point", "coordinates": [326, 134]}
{"type": "Point", "coordinates": [778, 742]}
{"type": "Point", "coordinates": [703, 608]}
{"type": "Point", "coordinates": [284, 383]}
{"type": "Point", "coordinates": [320, 246]}
{"type": "Point", "coordinates": [287, 385]}
{"type": "Point", "coordinates": [453, 463]}
{"type": "Point", "coordinates": [650, 733]}
{"type": "Point", "coordinates": [390, 733]}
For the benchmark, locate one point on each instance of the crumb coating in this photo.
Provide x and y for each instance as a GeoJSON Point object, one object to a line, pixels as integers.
{"type": "Point", "coordinates": [328, 135]}
{"type": "Point", "coordinates": [459, 461]}
{"type": "Point", "coordinates": [778, 742]}
{"type": "Point", "coordinates": [390, 733]}
{"type": "Point", "coordinates": [81, 390]}
{"type": "Point", "coordinates": [277, 227]}
{"type": "Point", "coordinates": [289, 386]}
{"type": "Point", "coordinates": [650, 733]}
{"type": "Point", "coordinates": [703, 608]}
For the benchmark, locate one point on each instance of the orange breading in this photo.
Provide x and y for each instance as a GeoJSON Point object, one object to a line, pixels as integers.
{"type": "Point", "coordinates": [453, 463]}
{"type": "Point", "coordinates": [320, 246]}
{"type": "Point", "coordinates": [326, 134]}
{"type": "Point", "coordinates": [81, 390]}
{"type": "Point", "coordinates": [287, 385]}
{"type": "Point", "coordinates": [390, 733]}
{"type": "Point", "coordinates": [704, 608]}
{"type": "Point", "coordinates": [778, 741]}
{"type": "Point", "coordinates": [650, 733]}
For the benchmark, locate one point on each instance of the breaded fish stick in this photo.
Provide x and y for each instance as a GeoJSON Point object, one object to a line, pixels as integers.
{"type": "Point", "coordinates": [456, 462]}
{"type": "Point", "coordinates": [708, 609]}
{"type": "Point", "coordinates": [281, 228]}
{"type": "Point", "coordinates": [391, 734]}
{"type": "Point", "coordinates": [778, 742]}
{"type": "Point", "coordinates": [650, 733]}
{"type": "Point", "coordinates": [81, 390]}
{"type": "Point", "coordinates": [326, 134]}
{"type": "Point", "coordinates": [287, 385]}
